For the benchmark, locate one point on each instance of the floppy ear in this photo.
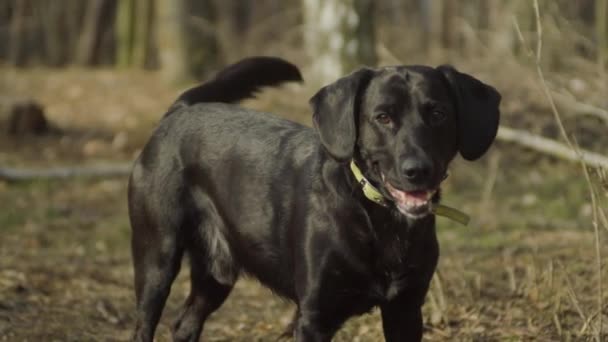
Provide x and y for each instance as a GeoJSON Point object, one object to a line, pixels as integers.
{"type": "Point", "coordinates": [334, 113]}
{"type": "Point", "coordinates": [478, 113]}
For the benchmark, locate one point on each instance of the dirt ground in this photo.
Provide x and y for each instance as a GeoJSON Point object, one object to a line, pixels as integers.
{"type": "Point", "coordinates": [526, 269]}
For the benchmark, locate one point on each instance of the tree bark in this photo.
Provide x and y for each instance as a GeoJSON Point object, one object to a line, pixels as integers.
{"type": "Point", "coordinates": [142, 32]}
{"type": "Point", "coordinates": [17, 34]}
{"type": "Point", "coordinates": [241, 17]}
{"type": "Point", "coordinates": [171, 40]}
{"type": "Point", "coordinates": [185, 47]}
{"type": "Point", "coordinates": [234, 18]}
{"type": "Point", "coordinates": [124, 32]}
{"type": "Point", "coordinates": [202, 46]}
{"type": "Point", "coordinates": [448, 29]}
{"type": "Point", "coordinates": [366, 33]}
{"type": "Point", "coordinates": [55, 46]}
{"type": "Point", "coordinates": [601, 29]}
{"type": "Point", "coordinates": [90, 36]}
{"type": "Point", "coordinates": [425, 8]}
{"type": "Point", "coordinates": [551, 147]}
{"type": "Point", "coordinates": [101, 170]}
{"type": "Point", "coordinates": [73, 14]}
{"type": "Point", "coordinates": [339, 36]}
{"type": "Point", "coordinates": [519, 137]}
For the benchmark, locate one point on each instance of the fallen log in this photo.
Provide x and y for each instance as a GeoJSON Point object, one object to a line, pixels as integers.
{"type": "Point", "coordinates": [576, 107]}
{"type": "Point", "coordinates": [506, 134]}
{"type": "Point", "coordinates": [92, 171]}
{"type": "Point", "coordinates": [551, 147]}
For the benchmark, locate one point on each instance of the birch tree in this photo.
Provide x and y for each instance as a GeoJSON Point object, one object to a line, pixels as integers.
{"type": "Point", "coordinates": [339, 36]}
{"type": "Point", "coordinates": [186, 41]}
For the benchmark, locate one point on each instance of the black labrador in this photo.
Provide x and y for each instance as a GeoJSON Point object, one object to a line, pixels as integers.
{"type": "Point", "coordinates": [243, 192]}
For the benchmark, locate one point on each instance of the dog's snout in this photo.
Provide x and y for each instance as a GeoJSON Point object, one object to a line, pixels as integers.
{"type": "Point", "coordinates": [416, 170]}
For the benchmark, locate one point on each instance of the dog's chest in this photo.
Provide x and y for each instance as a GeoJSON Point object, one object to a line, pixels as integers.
{"type": "Point", "coordinates": [389, 287]}
{"type": "Point", "coordinates": [394, 269]}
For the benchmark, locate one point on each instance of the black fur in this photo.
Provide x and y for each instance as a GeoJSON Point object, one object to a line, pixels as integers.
{"type": "Point", "coordinates": [246, 192]}
{"type": "Point", "coordinates": [477, 112]}
{"type": "Point", "coordinates": [240, 81]}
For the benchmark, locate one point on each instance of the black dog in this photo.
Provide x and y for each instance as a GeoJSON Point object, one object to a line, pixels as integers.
{"type": "Point", "coordinates": [246, 192]}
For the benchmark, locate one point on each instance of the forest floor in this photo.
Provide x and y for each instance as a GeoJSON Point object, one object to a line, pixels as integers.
{"type": "Point", "coordinates": [526, 269]}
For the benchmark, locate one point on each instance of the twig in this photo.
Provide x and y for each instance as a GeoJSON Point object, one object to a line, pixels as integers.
{"type": "Point", "coordinates": [579, 107]}
{"type": "Point", "coordinates": [558, 325]}
{"type": "Point", "coordinates": [604, 218]}
{"type": "Point", "coordinates": [587, 325]}
{"type": "Point", "coordinates": [584, 160]}
{"type": "Point", "coordinates": [441, 298]}
{"type": "Point", "coordinates": [105, 170]}
{"type": "Point", "coordinates": [572, 294]}
{"type": "Point", "coordinates": [556, 311]}
{"type": "Point", "coordinates": [581, 156]}
{"type": "Point", "coordinates": [488, 187]}
{"type": "Point", "coordinates": [512, 279]}
{"type": "Point", "coordinates": [539, 33]}
{"type": "Point", "coordinates": [598, 254]}
{"type": "Point", "coordinates": [601, 10]}
{"type": "Point", "coordinates": [603, 176]}
{"type": "Point", "coordinates": [541, 77]}
{"type": "Point", "coordinates": [551, 147]}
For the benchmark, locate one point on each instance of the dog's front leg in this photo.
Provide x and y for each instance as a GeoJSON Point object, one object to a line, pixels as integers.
{"type": "Point", "coordinates": [402, 320]}
{"type": "Point", "coordinates": [310, 328]}
{"type": "Point", "coordinates": [317, 319]}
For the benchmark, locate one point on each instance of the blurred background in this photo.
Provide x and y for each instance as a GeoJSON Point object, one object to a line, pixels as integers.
{"type": "Point", "coordinates": [84, 83]}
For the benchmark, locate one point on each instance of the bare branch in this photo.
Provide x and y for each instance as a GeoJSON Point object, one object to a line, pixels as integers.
{"type": "Point", "coordinates": [102, 170]}
{"type": "Point", "coordinates": [573, 105]}
{"type": "Point", "coordinates": [551, 147]}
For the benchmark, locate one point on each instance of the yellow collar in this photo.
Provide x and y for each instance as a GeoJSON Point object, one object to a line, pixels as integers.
{"type": "Point", "coordinates": [375, 196]}
{"type": "Point", "coordinates": [369, 190]}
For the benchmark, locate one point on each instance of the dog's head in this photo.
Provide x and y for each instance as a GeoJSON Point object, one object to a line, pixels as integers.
{"type": "Point", "coordinates": [403, 125]}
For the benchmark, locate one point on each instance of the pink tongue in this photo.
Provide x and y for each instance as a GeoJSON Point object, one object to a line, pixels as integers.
{"type": "Point", "coordinates": [420, 195]}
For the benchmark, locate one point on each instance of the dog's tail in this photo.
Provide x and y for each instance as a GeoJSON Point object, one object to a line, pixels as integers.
{"type": "Point", "coordinates": [239, 81]}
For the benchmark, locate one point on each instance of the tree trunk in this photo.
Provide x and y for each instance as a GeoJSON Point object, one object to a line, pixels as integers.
{"type": "Point", "coordinates": [496, 28]}
{"type": "Point", "coordinates": [142, 32]}
{"type": "Point", "coordinates": [234, 18]}
{"type": "Point", "coordinates": [17, 34]}
{"type": "Point", "coordinates": [448, 29]}
{"type": "Point", "coordinates": [106, 49]}
{"type": "Point", "coordinates": [73, 14]}
{"type": "Point", "coordinates": [171, 39]}
{"type": "Point", "coordinates": [366, 34]}
{"type": "Point", "coordinates": [425, 8]}
{"type": "Point", "coordinates": [124, 32]}
{"type": "Point", "coordinates": [601, 29]}
{"type": "Point", "coordinates": [485, 16]}
{"type": "Point", "coordinates": [202, 45]}
{"type": "Point", "coordinates": [339, 36]}
{"type": "Point", "coordinates": [90, 36]}
{"type": "Point", "coordinates": [241, 17]}
{"type": "Point", "coordinates": [52, 20]}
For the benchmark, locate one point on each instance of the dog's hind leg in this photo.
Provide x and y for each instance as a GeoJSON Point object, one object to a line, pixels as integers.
{"type": "Point", "coordinates": [206, 296]}
{"type": "Point", "coordinates": [157, 248]}
{"type": "Point", "coordinates": [213, 272]}
{"type": "Point", "coordinates": [155, 270]}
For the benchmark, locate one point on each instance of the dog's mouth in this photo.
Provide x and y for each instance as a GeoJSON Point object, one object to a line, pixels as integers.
{"type": "Point", "coordinates": [414, 204]}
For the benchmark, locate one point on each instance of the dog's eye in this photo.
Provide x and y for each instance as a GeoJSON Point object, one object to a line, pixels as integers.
{"type": "Point", "coordinates": [383, 118]}
{"type": "Point", "coordinates": [437, 117]}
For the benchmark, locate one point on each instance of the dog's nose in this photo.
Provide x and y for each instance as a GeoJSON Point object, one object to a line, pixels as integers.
{"type": "Point", "coordinates": [416, 170]}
